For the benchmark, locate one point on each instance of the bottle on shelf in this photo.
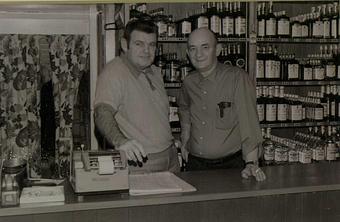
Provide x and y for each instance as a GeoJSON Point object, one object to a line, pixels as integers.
{"type": "Point", "coordinates": [201, 20]}
{"type": "Point", "coordinates": [184, 26]}
{"type": "Point", "coordinates": [295, 27]}
{"type": "Point", "coordinates": [330, 146]}
{"type": "Point", "coordinates": [326, 20]}
{"type": "Point", "coordinates": [317, 23]}
{"type": "Point", "coordinates": [293, 69]}
{"type": "Point", "coordinates": [260, 104]}
{"type": "Point", "coordinates": [282, 106]}
{"type": "Point", "coordinates": [240, 22]}
{"type": "Point", "coordinates": [283, 29]}
{"type": "Point", "coordinates": [239, 59]}
{"type": "Point", "coordinates": [271, 106]}
{"type": "Point", "coordinates": [214, 19]}
{"type": "Point", "coordinates": [269, 64]}
{"type": "Point", "coordinates": [260, 60]}
{"type": "Point", "coordinates": [171, 27]}
{"type": "Point", "coordinates": [261, 20]}
{"type": "Point", "coordinates": [173, 113]}
{"type": "Point", "coordinates": [271, 22]}
{"type": "Point", "coordinates": [333, 9]}
{"type": "Point", "coordinates": [228, 21]}
{"type": "Point", "coordinates": [268, 147]}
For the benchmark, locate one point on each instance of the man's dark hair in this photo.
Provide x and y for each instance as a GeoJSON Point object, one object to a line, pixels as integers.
{"type": "Point", "coordinates": [143, 25]}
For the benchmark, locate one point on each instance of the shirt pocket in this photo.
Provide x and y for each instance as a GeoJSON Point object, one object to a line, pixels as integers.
{"type": "Point", "coordinates": [226, 119]}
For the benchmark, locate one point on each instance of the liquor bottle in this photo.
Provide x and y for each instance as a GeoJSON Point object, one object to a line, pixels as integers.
{"type": "Point", "coordinates": [334, 19]}
{"type": "Point", "coordinates": [214, 19]}
{"type": "Point", "coordinates": [318, 70]}
{"type": "Point", "coordinates": [337, 6]}
{"type": "Point", "coordinates": [228, 21]}
{"type": "Point", "coordinates": [161, 21]}
{"type": "Point", "coordinates": [304, 26]}
{"type": "Point", "coordinates": [240, 22]}
{"type": "Point", "coordinates": [295, 27]}
{"type": "Point", "coordinates": [284, 67]}
{"type": "Point", "coordinates": [280, 153]}
{"type": "Point", "coordinates": [239, 59]}
{"type": "Point", "coordinates": [268, 148]}
{"type": "Point", "coordinates": [283, 29]}
{"type": "Point", "coordinates": [330, 146]}
{"type": "Point", "coordinates": [201, 20]}
{"type": "Point", "coordinates": [293, 68]}
{"type": "Point", "coordinates": [332, 102]}
{"type": "Point", "coordinates": [329, 101]}
{"type": "Point", "coordinates": [317, 24]}
{"type": "Point", "coordinates": [336, 55]}
{"type": "Point", "coordinates": [307, 70]}
{"type": "Point", "coordinates": [337, 111]}
{"type": "Point", "coordinates": [277, 65]}
{"type": "Point", "coordinates": [172, 29]}
{"type": "Point", "coordinates": [260, 59]}
{"type": "Point", "coordinates": [229, 57]}
{"type": "Point", "coordinates": [271, 22]}
{"type": "Point", "coordinates": [271, 106]}
{"type": "Point", "coordinates": [330, 67]}
{"type": "Point", "coordinates": [326, 19]}
{"type": "Point", "coordinates": [261, 21]}
{"type": "Point", "coordinates": [269, 64]}
{"type": "Point", "coordinates": [282, 106]}
{"type": "Point", "coordinates": [173, 113]}
{"type": "Point", "coordinates": [260, 105]}
{"type": "Point", "coordinates": [185, 68]}
{"type": "Point", "coordinates": [184, 27]}
{"type": "Point", "coordinates": [160, 60]}
{"type": "Point", "coordinates": [324, 103]}
{"type": "Point", "coordinates": [318, 111]}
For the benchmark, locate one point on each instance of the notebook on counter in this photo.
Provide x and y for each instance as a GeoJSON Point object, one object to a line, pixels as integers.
{"type": "Point", "coordinates": [157, 183]}
{"type": "Point", "coordinates": [44, 195]}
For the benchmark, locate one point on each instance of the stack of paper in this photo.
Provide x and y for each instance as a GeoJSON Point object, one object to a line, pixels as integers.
{"type": "Point", "coordinates": [157, 183]}
{"type": "Point", "coordinates": [49, 195]}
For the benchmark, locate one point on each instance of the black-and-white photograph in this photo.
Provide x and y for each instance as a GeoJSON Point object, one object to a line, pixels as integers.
{"type": "Point", "coordinates": [169, 111]}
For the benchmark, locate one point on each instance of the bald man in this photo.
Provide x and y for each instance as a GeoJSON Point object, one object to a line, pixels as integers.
{"type": "Point", "coordinates": [220, 126]}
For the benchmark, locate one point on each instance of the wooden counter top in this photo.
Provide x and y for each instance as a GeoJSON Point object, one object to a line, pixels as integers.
{"type": "Point", "coordinates": [211, 185]}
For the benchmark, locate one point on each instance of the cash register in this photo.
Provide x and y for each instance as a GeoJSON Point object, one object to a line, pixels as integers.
{"type": "Point", "coordinates": [99, 171]}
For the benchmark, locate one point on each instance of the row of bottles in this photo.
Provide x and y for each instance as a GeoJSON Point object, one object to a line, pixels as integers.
{"type": "Point", "coordinates": [173, 69]}
{"type": "Point", "coordinates": [231, 55]}
{"type": "Point", "coordinates": [271, 66]}
{"type": "Point", "coordinates": [276, 106]}
{"type": "Point", "coordinates": [322, 22]}
{"type": "Point", "coordinates": [225, 19]}
{"type": "Point", "coordinates": [314, 146]}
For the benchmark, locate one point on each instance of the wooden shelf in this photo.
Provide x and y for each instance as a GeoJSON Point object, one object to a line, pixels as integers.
{"type": "Point", "coordinates": [297, 40]}
{"type": "Point", "coordinates": [184, 39]}
{"type": "Point", "coordinates": [300, 124]}
{"type": "Point", "coordinates": [298, 83]}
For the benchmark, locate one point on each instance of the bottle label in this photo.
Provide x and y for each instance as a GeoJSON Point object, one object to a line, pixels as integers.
{"type": "Point", "coordinates": [215, 24]}
{"type": "Point", "coordinates": [281, 155]}
{"type": "Point", "coordinates": [293, 156]}
{"type": "Point", "coordinates": [240, 26]}
{"type": "Point", "coordinates": [293, 71]}
{"type": "Point", "coordinates": [333, 108]}
{"type": "Point", "coordinates": [259, 69]}
{"type": "Point", "coordinates": [305, 156]}
{"type": "Point", "coordinates": [330, 151]}
{"type": "Point", "coordinates": [271, 112]}
{"type": "Point", "coordinates": [319, 73]}
{"type": "Point", "coordinates": [171, 31]}
{"type": "Point", "coordinates": [260, 111]}
{"type": "Point", "coordinates": [307, 74]}
{"type": "Point", "coordinates": [186, 27]}
{"type": "Point", "coordinates": [261, 28]}
{"type": "Point", "coordinates": [173, 115]}
{"type": "Point", "coordinates": [330, 70]}
{"type": "Point", "coordinates": [318, 154]}
{"type": "Point", "coordinates": [283, 27]}
{"type": "Point", "coordinates": [318, 113]}
{"type": "Point", "coordinates": [228, 26]}
{"type": "Point", "coordinates": [325, 109]}
{"type": "Point", "coordinates": [296, 30]}
{"type": "Point", "coordinates": [326, 29]}
{"type": "Point", "coordinates": [318, 29]}
{"type": "Point", "coordinates": [277, 69]}
{"type": "Point", "coordinates": [162, 28]}
{"type": "Point", "coordinates": [268, 153]}
{"type": "Point", "coordinates": [295, 113]}
{"type": "Point", "coordinates": [304, 31]}
{"type": "Point", "coordinates": [270, 69]}
{"type": "Point", "coordinates": [271, 27]}
{"type": "Point", "coordinates": [281, 112]}
{"type": "Point", "coordinates": [334, 28]}
{"type": "Point", "coordinates": [202, 22]}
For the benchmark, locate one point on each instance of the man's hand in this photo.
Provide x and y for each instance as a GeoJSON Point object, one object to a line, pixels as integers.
{"type": "Point", "coordinates": [253, 170]}
{"type": "Point", "coordinates": [185, 153]}
{"type": "Point", "coordinates": [134, 151]}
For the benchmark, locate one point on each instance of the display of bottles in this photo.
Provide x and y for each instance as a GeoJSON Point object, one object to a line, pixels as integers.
{"type": "Point", "coordinates": [304, 147]}
{"type": "Point", "coordinates": [232, 54]}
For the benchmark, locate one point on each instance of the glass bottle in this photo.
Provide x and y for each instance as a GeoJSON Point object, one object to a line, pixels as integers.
{"type": "Point", "coordinates": [283, 25]}
{"type": "Point", "coordinates": [271, 22]}
{"type": "Point", "coordinates": [268, 148]}
{"type": "Point", "coordinates": [261, 20]}
{"type": "Point", "coordinates": [240, 22]}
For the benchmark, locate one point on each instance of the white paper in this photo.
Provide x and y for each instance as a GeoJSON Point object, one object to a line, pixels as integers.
{"type": "Point", "coordinates": [105, 164]}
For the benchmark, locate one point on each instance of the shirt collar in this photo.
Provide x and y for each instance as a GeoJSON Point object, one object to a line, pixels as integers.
{"type": "Point", "coordinates": [211, 76]}
{"type": "Point", "coordinates": [133, 69]}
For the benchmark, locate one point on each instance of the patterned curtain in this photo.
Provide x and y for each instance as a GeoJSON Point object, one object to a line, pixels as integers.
{"type": "Point", "coordinates": [19, 98]}
{"type": "Point", "coordinates": [69, 55]}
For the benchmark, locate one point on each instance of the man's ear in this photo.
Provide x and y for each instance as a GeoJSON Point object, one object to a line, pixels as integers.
{"type": "Point", "coordinates": [218, 49]}
{"type": "Point", "coordinates": [123, 43]}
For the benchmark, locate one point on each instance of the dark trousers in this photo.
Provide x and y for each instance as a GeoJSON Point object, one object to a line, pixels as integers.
{"type": "Point", "coordinates": [232, 161]}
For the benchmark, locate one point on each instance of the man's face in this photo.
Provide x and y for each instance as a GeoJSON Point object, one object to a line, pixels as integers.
{"type": "Point", "coordinates": [202, 50]}
{"type": "Point", "coordinates": [141, 49]}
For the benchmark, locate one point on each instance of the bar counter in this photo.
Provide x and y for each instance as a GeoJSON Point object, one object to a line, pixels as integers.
{"type": "Point", "coordinates": [299, 192]}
